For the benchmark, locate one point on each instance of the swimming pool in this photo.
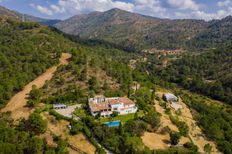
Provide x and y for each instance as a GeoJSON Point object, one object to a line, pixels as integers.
{"type": "Point", "coordinates": [113, 123]}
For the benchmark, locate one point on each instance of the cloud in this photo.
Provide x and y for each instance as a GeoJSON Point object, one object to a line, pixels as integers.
{"type": "Point", "coordinates": [199, 14]}
{"type": "Point", "coordinates": [183, 4]}
{"type": "Point", "coordinates": [149, 7]}
{"type": "Point", "coordinates": [224, 3]}
{"type": "Point", "coordinates": [72, 7]}
{"type": "Point", "coordinates": [210, 16]}
{"type": "Point", "coordinates": [42, 9]}
{"type": "Point", "coordinates": [83, 6]}
{"type": "Point", "coordinates": [157, 8]}
{"type": "Point", "coordinates": [57, 9]}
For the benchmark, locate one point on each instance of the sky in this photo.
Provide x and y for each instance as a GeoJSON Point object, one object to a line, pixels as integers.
{"type": "Point", "coordinates": [174, 9]}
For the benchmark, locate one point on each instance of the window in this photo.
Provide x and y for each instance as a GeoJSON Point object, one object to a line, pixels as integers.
{"type": "Point", "coordinates": [115, 109]}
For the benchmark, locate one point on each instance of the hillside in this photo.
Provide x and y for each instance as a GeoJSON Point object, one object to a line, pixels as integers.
{"type": "Point", "coordinates": [217, 32]}
{"type": "Point", "coordinates": [16, 15]}
{"type": "Point", "coordinates": [30, 50]}
{"type": "Point", "coordinates": [26, 50]}
{"type": "Point", "coordinates": [136, 32]}
{"type": "Point", "coordinates": [208, 73]}
{"type": "Point", "coordinates": [133, 31]}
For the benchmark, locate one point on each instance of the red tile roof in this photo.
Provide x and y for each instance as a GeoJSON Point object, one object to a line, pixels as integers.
{"type": "Point", "coordinates": [106, 104]}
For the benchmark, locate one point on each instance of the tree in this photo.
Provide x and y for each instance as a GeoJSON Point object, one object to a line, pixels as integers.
{"type": "Point", "coordinates": [93, 84]}
{"type": "Point", "coordinates": [191, 146]}
{"type": "Point", "coordinates": [76, 129]}
{"type": "Point", "coordinates": [174, 137]}
{"type": "Point", "coordinates": [153, 118]}
{"type": "Point", "coordinates": [208, 148]}
{"type": "Point", "coordinates": [36, 124]}
{"type": "Point", "coordinates": [36, 145]}
{"type": "Point", "coordinates": [35, 93]}
{"type": "Point", "coordinates": [153, 93]}
{"type": "Point", "coordinates": [115, 114]}
{"type": "Point", "coordinates": [31, 103]}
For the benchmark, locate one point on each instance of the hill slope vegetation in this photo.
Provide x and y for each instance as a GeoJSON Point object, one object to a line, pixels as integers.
{"type": "Point", "coordinates": [208, 73]}
{"type": "Point", "coordinates": [26, 50]}
{"type": "Point", "coordinates": [137, 32]}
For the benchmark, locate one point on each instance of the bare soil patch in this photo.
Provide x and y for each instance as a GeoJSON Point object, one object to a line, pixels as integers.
{"type": "Point", "coordinates": [195, 133]}
{"type": "Point", "coordinates": [157, 140]}
{"type": "Point", "coordinates": [60, 128]}
{"type": "Point", "coordinates": [18, 102]}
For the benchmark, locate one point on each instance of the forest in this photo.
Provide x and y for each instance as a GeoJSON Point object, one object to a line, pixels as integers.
{"type": "Point", "coordinates": [26, 51]}
{"type": "Point", "coordinates": [207, 73]}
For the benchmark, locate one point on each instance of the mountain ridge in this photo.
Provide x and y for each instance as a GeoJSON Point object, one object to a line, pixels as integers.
{"type": "Point", "coordinates": [138, 32]}
{"type": "Point", "coordinates": [19, 16]}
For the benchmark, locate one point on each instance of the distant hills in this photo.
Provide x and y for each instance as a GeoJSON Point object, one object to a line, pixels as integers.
{"type": "Point", "coordinates": [4, 12]}
{"type": "Point", "coordinates": [137, 32]}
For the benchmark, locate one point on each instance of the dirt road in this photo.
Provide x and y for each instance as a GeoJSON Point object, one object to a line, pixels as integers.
{"type": "Point", "coordinates": [17, 103]}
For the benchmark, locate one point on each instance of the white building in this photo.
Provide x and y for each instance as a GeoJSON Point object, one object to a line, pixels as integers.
{"type": "Point", "coordinates": [59, 106]}
{"type": "Point", "coordinates": [106, 106]}
{"type": "Point", "coordinates": [173, 100]}
{"type": "Point", "coordinates": [170, 97]}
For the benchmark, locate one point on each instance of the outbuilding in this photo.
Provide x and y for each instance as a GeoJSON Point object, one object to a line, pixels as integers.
{"type": "Point", "coordinates": [59, 106]}
{"type": "Point", "coordinates": [170, 97]}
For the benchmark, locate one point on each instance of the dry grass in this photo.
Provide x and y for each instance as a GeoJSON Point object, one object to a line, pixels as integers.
{"type": "Point", "coordinates": [18, 102]}
{"type": "Point", "coordinates": [60, 128]}
{"type": "Point", "coordinates": [158, 140]}
{"type": "Point", "coordinates": [195, 133]}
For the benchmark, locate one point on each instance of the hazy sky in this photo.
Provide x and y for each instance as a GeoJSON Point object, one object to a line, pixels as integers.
{"type": "Point", "coordinates": [61, 9]}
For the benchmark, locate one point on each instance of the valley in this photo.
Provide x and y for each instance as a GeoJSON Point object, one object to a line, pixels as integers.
{"type": "Point", "coordinates": [115, 82]}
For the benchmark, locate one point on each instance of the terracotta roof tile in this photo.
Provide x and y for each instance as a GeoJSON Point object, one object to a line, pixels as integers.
{"type": "Point", "coordinates": [106, 104]}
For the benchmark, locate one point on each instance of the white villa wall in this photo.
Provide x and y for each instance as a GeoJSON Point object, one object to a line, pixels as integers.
{"type": "Point", "coordinates": [119, 107]}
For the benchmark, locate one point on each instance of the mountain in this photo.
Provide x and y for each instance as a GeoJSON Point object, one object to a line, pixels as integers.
{"type": "Point", "coordinates": [137, 32]}
{"type": "Point", "coordinates": [217, 32]}
{"type": "Point", "coordinates": [16, 15]}
{"type": "Point", "coordinates": [133, 30]}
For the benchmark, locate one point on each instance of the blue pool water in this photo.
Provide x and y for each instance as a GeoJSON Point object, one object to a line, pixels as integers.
{"type": "Point", "coordinates": [113, 123]}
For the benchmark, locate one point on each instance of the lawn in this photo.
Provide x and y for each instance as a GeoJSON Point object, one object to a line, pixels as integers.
{"type": "Point", "coordinates": [122, 118]}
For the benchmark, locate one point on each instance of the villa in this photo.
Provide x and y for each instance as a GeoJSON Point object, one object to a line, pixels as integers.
{"type": "Point", "coordinates": [106, 106]}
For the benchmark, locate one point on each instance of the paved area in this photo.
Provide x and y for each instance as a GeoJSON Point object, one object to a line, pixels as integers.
{"type": "Point", "coordinates": [68, 111]}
